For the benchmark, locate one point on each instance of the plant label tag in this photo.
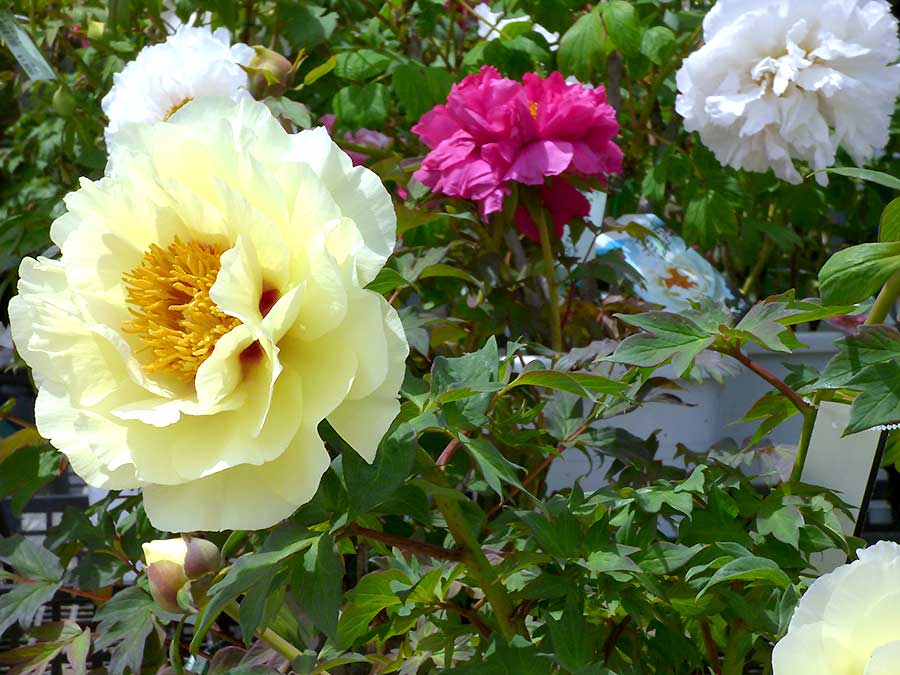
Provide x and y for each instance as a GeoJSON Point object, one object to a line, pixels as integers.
{"type": "Point", "coordinates": [846, 465]}
{"type": "Point", "coordinates": [23, 49]}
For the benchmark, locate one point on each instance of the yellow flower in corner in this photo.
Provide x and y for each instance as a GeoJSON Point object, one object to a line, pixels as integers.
{"type": "Point", "coordinates": [208, 311]}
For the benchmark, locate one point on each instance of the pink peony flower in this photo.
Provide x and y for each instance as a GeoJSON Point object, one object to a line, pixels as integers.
{"type": "Point", "coordinates": [469, 137]}
{"type": "Point", "coordinates": [367, 137]}
{"type": "Point", "coordinates": [565, 128]}
{"type": "Point", "coordinates": [493, 130]}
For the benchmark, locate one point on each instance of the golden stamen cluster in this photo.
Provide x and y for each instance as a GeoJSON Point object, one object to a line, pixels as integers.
{"type": "Point", "coordinates": [174, 317]}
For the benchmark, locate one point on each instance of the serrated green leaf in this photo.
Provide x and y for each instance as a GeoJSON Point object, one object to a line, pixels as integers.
{"type": "Point", "coordinates": [318, 585]}
{"type": "Point", "coordinates": [783, 523]}
{"type": "Point", "coordinates": [23, 601]}
{"type": "Point", "coordinates": [246, 571]}
{"type": "Point", "coordinates": [125, 621]}
{"type": "Point", "coordinates": [368, 485]}
{"type": "Point", "coordinates": [494, 466]}
{"type": "Point", "coordinates": [30, 559]}
{"type": "Point", "coordinates": [373, 593]}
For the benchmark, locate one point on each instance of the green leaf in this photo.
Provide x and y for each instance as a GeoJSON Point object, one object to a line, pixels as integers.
{"type": "Point", "coordinates": [360, 107]}
{"type": "Point", "coordinates": [665, 557]}
{"type": "Point", "coordinates": [763, 325]}
{"type": "Point", "coordinates": [783, 523]}
{"type": "Point", "coordinates": [23, 601]}
{"type": "Point", "coordinates": [419, 89]}
{"type": "Point", "coordinates": [26, 471]}
{"type": "Point", "coordinates": [572, 644]}
{"type": "Point", "coordinates": [306, 25]}
{"type": "Point", "coordinates": [30, 559]}
{"type": "Point", "coordinates": [670, 336]}
{"type": "Point", "coordinates": [584, 48]}
{"type": "Point", "coordinates": [580, 384]}
{"type": "Point", "coordinates": [468, 371]}
{"type": "Point", "coordinates": [494, 466]}
{"type": "Point", "coordinates": [562, 536]}
{"type": "Point", "coordinates": [290, 110]}
{"type": "Point", "coordinates": [361, 64]}
{"type": "Point", "coordinates": [373, 593]}
{"type": "Point", "coordinates": [879, 397]}
{"type": "Point", "coordinates": [444, 270]}
{"type": "Point", "coordinates": [23, 48]}
{"type": "Point", "coordinates": [245, 572]}
{"type": "Point", "coordinates": [871, 346]}
{"type": "Point", "coordinates": [748, 568]}
{"type": "Point", "coordinates": [124, 624]}
{"type": "Point", "coordinates": [318, 584]}
{"type": "Point", "coordinates": [865, 174]}
{"type": "Point", "coordinates": [658, 44]}
{"type": "Point", "coordinates": [856, 273]}
{"type": "Point", "coordinates": [889, 228]}
{"type": "Point", "coordinates": [624, 26]}
{"type": "Point", "coordinates": [320, 71]}
{"type": "Point", "coordinates": [368, 485]}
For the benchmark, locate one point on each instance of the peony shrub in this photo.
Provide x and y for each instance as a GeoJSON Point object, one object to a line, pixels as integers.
{"type": "Point", "coordinates": [339, 292]}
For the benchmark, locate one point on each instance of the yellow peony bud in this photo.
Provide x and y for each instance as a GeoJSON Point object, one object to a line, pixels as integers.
{"type": "Point", "coordinates": [269, 73]}
{"type": "Point", "coordinates": [171, 563]}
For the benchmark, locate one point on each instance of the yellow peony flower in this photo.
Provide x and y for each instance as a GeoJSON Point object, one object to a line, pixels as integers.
{"type": "Point", "coordinates": [208, 311]}
{"type": "Point", "coordinates": [848, 621]}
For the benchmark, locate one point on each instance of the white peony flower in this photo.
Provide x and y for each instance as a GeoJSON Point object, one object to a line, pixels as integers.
{"type": "Point", "coordinates": [848, 621]}
{"type": "Point", "coordinates": [191, 63]}
{"type": "Point", "coordinates": [674, 274]}
{"type": "Point", "coordinates": [208, 311]}
{"type": "Point", "coordinates": [785, 80]}
{"type": "Point", "coordinates": [490, 24]}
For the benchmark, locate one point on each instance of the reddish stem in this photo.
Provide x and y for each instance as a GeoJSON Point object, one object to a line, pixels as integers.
{"type": "Point", "coordinates": [438, 552]}
{"type": "Point", "coordinates": [771, 378]}
{"type": "Point", "coordinates": [543, 465]}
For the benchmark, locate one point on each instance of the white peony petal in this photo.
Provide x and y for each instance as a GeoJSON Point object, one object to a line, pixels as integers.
{"type": "Point", "coordinates": [885, 660]}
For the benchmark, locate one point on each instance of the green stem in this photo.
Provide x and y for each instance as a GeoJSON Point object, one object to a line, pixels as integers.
{"type": "Point", "coordinates": [479, 566]}
{"type": "Point", "coordinates": [733, 663]}
{"type": "Point", "coordinates": [885, 300]}
{"type": "Point", "coordinates": [809, 422]}
{"type": "Point", "coordinates": [267, 635]}
{"type": "Point", "coordinates": [764, 253]}
{"type": "Point", "coordinates": [550, 272]}
{"type": "Point", "coordinates": [473, 556]}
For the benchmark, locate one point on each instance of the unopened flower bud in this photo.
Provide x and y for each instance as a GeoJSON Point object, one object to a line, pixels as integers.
{"type": "Point", "coordinates": [171, 563]}
{"type": "Point", "coordinates": [269, 73]}
{"type": "Point", "coordinates": [63, 103]}
{"type": "Point", "coordinates": [202, 558]}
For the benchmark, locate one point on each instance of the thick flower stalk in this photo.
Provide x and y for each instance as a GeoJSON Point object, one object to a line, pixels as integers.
{"type": "Point", "coordinates": [848, 621]}
{"type": "Point", "coordinates": [494, 131]}
{"type": "Point", "coordinates": [208, 311]}
{"type": "Point", "coordinates": [192, 63]}
{"type": "Point", "coordinates": [780, 81]}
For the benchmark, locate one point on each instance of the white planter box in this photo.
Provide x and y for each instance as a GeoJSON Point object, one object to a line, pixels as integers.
{"type": "Point", "coordinates": [710, 418]}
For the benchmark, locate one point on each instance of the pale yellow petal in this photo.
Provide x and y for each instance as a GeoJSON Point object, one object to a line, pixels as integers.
{"type": "Point", "coordinates": [245, 497]}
